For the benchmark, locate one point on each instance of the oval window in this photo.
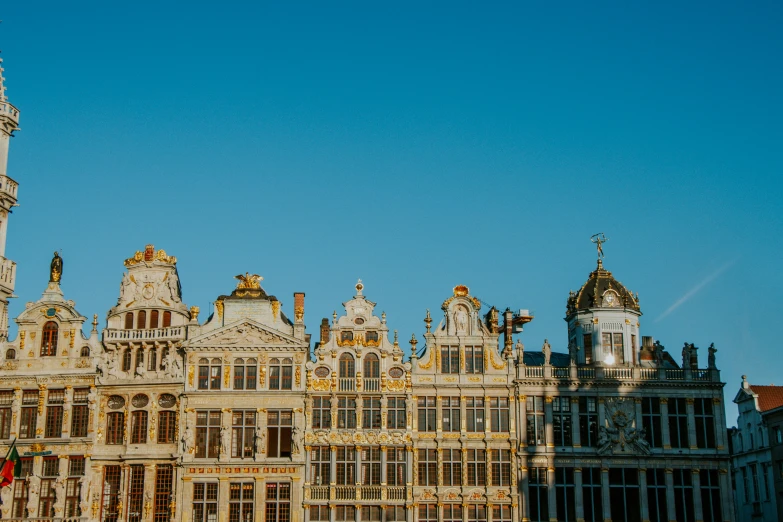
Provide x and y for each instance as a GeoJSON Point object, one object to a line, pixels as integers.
{"type": "Point", "coordinates": [140, 400]}
{"type": "Point", "coordinates": [322, 372]}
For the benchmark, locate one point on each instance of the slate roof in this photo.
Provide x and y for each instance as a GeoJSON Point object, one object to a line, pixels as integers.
{"type": "Point", "coordinates": [770, 397]}
{"type": "Point", "coordinates": [591, 293]}
{"type": "Point", "coordinates": [537, 359]}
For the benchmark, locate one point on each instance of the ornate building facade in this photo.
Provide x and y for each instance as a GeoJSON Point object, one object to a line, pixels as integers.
{"type": "Point", "coordinates": [162, 418]}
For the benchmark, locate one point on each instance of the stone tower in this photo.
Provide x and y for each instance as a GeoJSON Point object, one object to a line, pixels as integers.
{"type": "Point", "coordinates": [9, 122]}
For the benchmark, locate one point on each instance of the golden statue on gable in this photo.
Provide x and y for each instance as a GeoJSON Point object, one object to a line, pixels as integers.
{"type": "Point", "coordinates": [248, 280]}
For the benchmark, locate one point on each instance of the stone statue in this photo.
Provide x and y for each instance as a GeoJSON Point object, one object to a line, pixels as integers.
{"type": "Point", "coordinates": [572, 349]}
{"type": "Point", "coordinates": [547, 349]}
{"type": "Point", "coordinates": [225, 440]}
{"type": "Point", "coordinates": [173, 282]}
{"type": "Point", "coordinates": [56, 269]}
{"type": "Point", "coordinates": [59, 489]}
{"type": "Point", "coordinates": [461, 319]}
{"type": "Point", "coordinates": [139, 370]}
{"type": "Point", "coordinates": [686, 356]}
{"type": "Point", "coordinates": [711, 356]}
{"type": "Point", "coordinates": [84, 484]}
{"type": "Point", "coordinates": [6, 498]}
{"type": "Point", "coordinates": [187, 440]}
{"type": "Point", "coordinates": [520, 351]}
{"type": "Point", "coordinates": [260, 436]}
{"type": "Point", "coordinates": [125, 285]}
{"type": "Point", "coordinates": [294, 440]}
{"type": "Point", "coordinates": [694, 357]}
{"type": "Point", "coordinates": [92, 398]}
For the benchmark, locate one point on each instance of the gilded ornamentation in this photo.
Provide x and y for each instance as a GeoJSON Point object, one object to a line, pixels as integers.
{"type": "Point", "coordinates": [262, 375]}
{"type": "Point", "coordinates": [22, 335]}
{"type": "Point", "coordinates": [498, 366]}
{"type": "Point", "coordinates": [428, 365]}
{"type": "Point", "coordinates": [219, 307]}
{"type": "Point", "coordinates": [395, 386]}
{"type": "Point", "coordinates": [227, 376]}
{"type": "Point", "coordinates": [73, 338]}
{"type": "Point", "coordinates": [299, 313]}
{"type": "Point", "coordinates": [275, 310]}
{"type": "Point", "coordinates": [298, 375]}
{"type": "Point", "coordinates": [191, 373]}
{"type": "Point", "coordinates": [194, 310]}
{"type": "Point", "coordinates": [321, 385]}
{"type": "Point", "coordinates": [249, 281]}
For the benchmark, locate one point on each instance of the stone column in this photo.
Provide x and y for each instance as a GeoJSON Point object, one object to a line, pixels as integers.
{"type": "Point", "coordinates": [463, 417]}
{"type": "Point", "coordinates": [523, 421]}
{"type": "Point", "coordinates": [579, 502]}
{"type": "Point", "coordinates": [697, 507]}
{"type": "Point", "coordinates": [16, 405]}
{"type": "Point", "coordinates": [332, 472]}
{"type": "Point", "coordinates": [726, 494]}
{"type": "Point", "coordinates": [605, 498]}
{"type": "Point", "coordinates": [691, 425]}
{"type": "Point", "coordinates": [383, 473]}
{"type": "Point", "coordinates": [40, 421]}
{"type": "Point", "coordinates": [488, 465]}
{"type": "Point", "coordinates": [669, 480]}
{"type": "Point", "coordinates": [549, 423]}
{"type": "Point", "coordinates": [122, 506]}
{"type": "Point", "coordinates": [524, 502]}
{"type": "Point", "coordinates": [358, 462]}
{"type": "Point", "coordinates": [551, 492]}
{"type": "Point", "coordinates": [719, 414]}
{"type": "Point", "coordinates": [439, 416]}
{"type": "Point", "coordinates": [665, 438]}
{"type": "Point", "coordinates": [67, 403]}
{"type": "Point", "coordinates": [223, 493]}
{"type": "Point", "coordinates": [149, 492]}
{"type": "Point", "coordinates": [59, 485]}
{"type": "Point", "coordinates": [576, 433]}
{"type": "Point", "coordinates": [601, 412]}
{"type": "Point", "coordinates": [643, 500]}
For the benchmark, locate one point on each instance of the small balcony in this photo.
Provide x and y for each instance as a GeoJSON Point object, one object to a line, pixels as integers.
{"type": "Point", "coordinates": [7, 275]}
{"type": "Point", "coordinates": [152, 334]}
{"type": "Point", "coordinates": [347, 383]}
{"type": "Point", "coordinates": [372, 385]}
{"type": "Point", "coordinates": [8, 187]}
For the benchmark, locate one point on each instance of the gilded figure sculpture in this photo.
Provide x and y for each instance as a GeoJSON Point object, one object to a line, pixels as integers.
{"type": "Point", "coordinates": [56, 269]}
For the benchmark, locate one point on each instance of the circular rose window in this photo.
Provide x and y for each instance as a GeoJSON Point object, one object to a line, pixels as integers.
{"type": "Point", "coordinates": [167, 400]}
{"type": "Point", "coordinates": [115, 402]}
{"type": "Point", "coordinates": [396, 373]}
{"type": "Point", "coordinates": [140, 400]}
{"type": "Point", "coordinates": [322, 371]}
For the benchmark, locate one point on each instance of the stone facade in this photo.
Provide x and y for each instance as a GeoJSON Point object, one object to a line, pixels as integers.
{"type": "Point", "coordinates": [162, 418]}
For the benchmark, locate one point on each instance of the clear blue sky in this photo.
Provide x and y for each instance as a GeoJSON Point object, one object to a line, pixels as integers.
{"type": "Point", "coordinates": [417, 146]}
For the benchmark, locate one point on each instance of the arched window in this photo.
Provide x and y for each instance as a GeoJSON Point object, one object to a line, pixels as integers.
{"type": "Point", "coordinates": [280, 373]}
{"type": "Point", "coordinates": [10, 354]}
{"type": "Point", "coordinates": [139, 357]}
{"type": "Point", "coordinates": [287, 373]}
{"type": "Point", "coordinates": [85, 351]}
{"type": "Point", "coordinates": [141, 320]}
{"type": "Point", "coordinates": [49, 339]}
{"type": "Point", "coordinates": [245, 374]}
{"type": "Point", "coordinates": [166, 319]}
{"type": "Point", "coordinates": [154, 319]}
{"type": "Point", "coordinates": [347, 372]}
{"type": "Point", "coordinates": [739, 441]}
{"type": "Point", "coordinates": [372, 373]}
{"type": "Point", "coordinates": [126, 360]}
{"type": "Point", "coordinates": [139, 427]}
{"type": "Point", "coordinates": [129, 321]}
{"type": "Point", "coordinates": [209, 373]}
{"type": "Point", "coordinates": [761, 438]}
{"type": "Point", "coordinates": [153, 359]}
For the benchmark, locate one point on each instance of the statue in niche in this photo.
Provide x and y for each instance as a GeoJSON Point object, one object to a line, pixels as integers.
{"type": "Point", "coordinates": [5, 498]}
{"type": "Point", "coordinates": [56, 269]}
{"type": "Point", "coordinates": [173, 282]}
{"type": "Point", "coordinates": [461, 319]}
{"type": "Point", "coordinates": [188, 440]}
{"type": "Point", "coordinates": [225, 440]}
{"type": "Point", "coordinates": [294, 440]}
{"type": "Point", "coordinates": [260, 435]}
{"type": "Point", "coordinates": [125, 286]}
{"type": "Point", "coordinates": [547, 350]}
{"type": "Point", "coordinates": [711, 356]}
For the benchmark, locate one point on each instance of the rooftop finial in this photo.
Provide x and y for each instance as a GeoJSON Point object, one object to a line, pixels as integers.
{"type": "Point", "coordinates": [359, 287]}
{"type": "Point", "coordinates": [599, 239]}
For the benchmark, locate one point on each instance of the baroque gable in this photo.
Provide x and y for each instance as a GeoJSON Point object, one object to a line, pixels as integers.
{"type": "Point", "coordinates": [244, 333]}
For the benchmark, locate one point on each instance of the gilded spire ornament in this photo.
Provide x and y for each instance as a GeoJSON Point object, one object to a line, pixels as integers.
{"type": "Point", "coordinates": [56, 269]}
{"type": "Point", "coordinates": [248, 280]}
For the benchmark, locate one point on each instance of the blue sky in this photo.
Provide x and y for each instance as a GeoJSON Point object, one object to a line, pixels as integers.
{"type": "Point", "coordinates": [417, 146]}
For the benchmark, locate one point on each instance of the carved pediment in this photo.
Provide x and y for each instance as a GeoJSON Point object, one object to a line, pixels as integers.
{"type": "Point", "coordinates": [241, 334]}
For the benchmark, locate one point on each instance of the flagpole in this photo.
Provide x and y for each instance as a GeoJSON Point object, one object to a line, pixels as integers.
{"type": "Point", "coordinates": [13, 443]}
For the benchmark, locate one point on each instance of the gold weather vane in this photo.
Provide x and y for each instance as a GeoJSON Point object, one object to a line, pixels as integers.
{"type": "Point", "coordinates": [249, 280]}
{"type": "Point", "coordinates": [599, 239]}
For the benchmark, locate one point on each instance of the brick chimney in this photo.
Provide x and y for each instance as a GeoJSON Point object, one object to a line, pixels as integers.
{"type": "Point", "coordinates": [324, 331]}
{"type": "Point", "coordinates": [299, 326]}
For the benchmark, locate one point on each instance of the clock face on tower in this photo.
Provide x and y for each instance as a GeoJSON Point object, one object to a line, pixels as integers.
{"type": "Point", "coordinates": [610, 299]}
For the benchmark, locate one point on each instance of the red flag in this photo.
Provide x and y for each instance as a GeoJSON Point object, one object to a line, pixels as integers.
{"type": "Point", "coordinates": [11, 466]}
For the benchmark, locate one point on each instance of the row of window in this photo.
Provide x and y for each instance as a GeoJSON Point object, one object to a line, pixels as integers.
{"type": "Point", "coordinates": [49, 338]}
{"type": "Point", "coordinates": [755, 479]}
{"type": "Point", "coordinates": [53, 417]}
{"type": "Point", "coordinates": [142, 323]}
{"type": "Point", "coordinates": [475, 414]}
{"type": "Point", "coordinates": [244, 437]}
{"type": "Point", "coordinates": [166, 428]}
{"type": "Point", "coordinates": [427, 513]}
{"type": "Point", "coordinates": [50, 473]}
{"type": "Point", "coordinates": [464, 468]}
{"type": "Point", "coordinates": [241, 502]}
{"type": "Point", "coordinates": [128, 495]}
{"type": "Point", "coordinates": [210, 373]}
{"type": "Point", "coordinates": [343, 461]}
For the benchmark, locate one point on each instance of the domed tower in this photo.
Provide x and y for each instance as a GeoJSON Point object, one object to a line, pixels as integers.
{"type": "Point", "coordinates": [603, 320]}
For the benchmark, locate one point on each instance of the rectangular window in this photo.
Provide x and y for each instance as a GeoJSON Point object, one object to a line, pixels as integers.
{"type": "Point", "coordinates": [322, 413]}
{"type": "Point", "coordinates": [449, 359]}
{"type": "Point", "coordinates": [501, 467]}
{"type": "Point", "coordinates": [474, 413]}
{"type": "Point", "coordinates": [452, 467]}
{"type": "Point", "coordinates": [245, 371]}
{"type": "Point", "coordinates": [80, 413]}
{"type": "Point", "coordinates": [167, 426]}
{"type": "Point", "coordinates": [428, 513]}
{"type": "Point", "coordinates": [477, 513]}
{"type": "Point", "coordinates": [474, 359]}
{"type": "Point", "coordinates": [396, 467]}
{"type": "Point", "coordinates": [371, 413]}
{"type": "Point", "coordinates": [591, 495]}
{"type": "Point", "coordinates": [683, 495]}
{"type": "Point", "coordinates": [709, 487]}
{"type": "Point", "coordinates": [6, 399]}
{"type": "Point", "coordinates": [346, 466]}
{"type": "Point", "coordinates": [20, 485]}
{"type": "Point", "coordinates": [539, 495]}
{"type": "Point", "coordinates": [477, 467]}
{"type": "Point", "coordinates": [587, 340]}
{"type": "Point", "coordinates": [243, 432]}
{"type": "Point", "coordinates": [745, 485]}
{"type": "Point", "coordinates": [371, 465]}
{"type": "Point", "coordinates": [498, 413]}
{"type": "Point", "coordinates": [678, 423]}
{"type": "Point", "coordinates": [345, 514]}
{"type": "Point", "coordinates": [624, 494]}
{"type": "Point", "coordinates": [29, 415]}
{"type": "Point", "coordinates": [452, 513]}
{"type": "Point", "coordinates": [346, 413]}
{"type": "Point", "coordinates": [428, 462]}
{"type": "Point", "coordinates": [320, 465]}
{"type": "Point", "coordinates": [705, 423]}
{"type": "Point", "coordinates": [656, 495]}
{"type": "Point", "coordinates": [450, 410]}
{"type": "Point", "coordinates": [564, 494]}
{"type": "Point", "coordinates": [588, 421]}
{"type": "Point", "coordinates": [536, 425]}
{"type": "Point", "coordinates": [425, 413]}
{"type": "Point", "coordinates": [651, 420]}
{"type": "Point", "coordinates": [115, 427]}
{"type": "Point", "coordinates": [279, 433]}
{"type": "Point", "coordinates": [164, 475]}
{"type": "Point", "coordinates": [205, 502]}
{"type": "Point", "coordinates": [139, 420]}
{"type": "Point", "coordinates": [501, 513]}
{"type": "Point", "coordinates": [47, 495]}
{"type": "Point", "coordinates": [613, 344]}
{"type": "Point", "coordinates": [371, 514]}
{"type": "Point", "coordinates": [207, 434]}
{"type": "Point", "coordinates": [395, 413]}
{"type": "Point", "coordinates": [319, 513]}
{"type": "Point", "coordinates": [394, 514]}
{"type": "Point", "coordinates": [73, 488]}
{"type": "Point", "coordinates": [136, 493]}
{"type": "Point", "coordinates": [561, 420]}
{"type": "Point", "coordinates": [754, 475]}
{"type": "Point", "coordinates": [54, 414]}
{"type": "Point", "coordinates": [111, 494]}
{"type": "Point", "coordinates": [278, 502]}
{"type": "Point", "coordinates": [240, 502]}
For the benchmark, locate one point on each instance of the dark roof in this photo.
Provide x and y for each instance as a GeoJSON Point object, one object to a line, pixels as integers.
{"type": "Point", "coordinates": [592, 292]}
{"type": "Point", "coordinates": [770, 397]}
{"type": "Point", "coordinates": [537, 359]}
